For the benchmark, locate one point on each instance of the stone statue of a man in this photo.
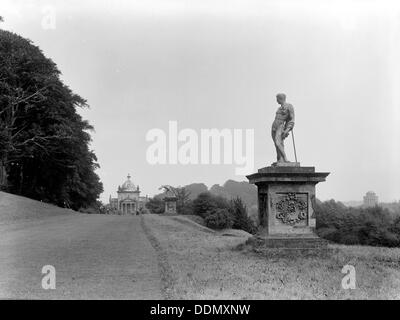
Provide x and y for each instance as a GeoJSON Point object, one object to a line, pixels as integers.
{"type": "Point", "coordinates": [281, 127]}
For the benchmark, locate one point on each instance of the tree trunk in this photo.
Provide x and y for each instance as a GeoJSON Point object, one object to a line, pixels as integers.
{"type": "Point", "coordinates": [21, 178]}
{"type": "Point", "coordinates": [3, 174]}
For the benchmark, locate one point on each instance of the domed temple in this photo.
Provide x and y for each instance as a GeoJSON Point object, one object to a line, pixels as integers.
{"type": "Point", "coordinates": [129, 200]}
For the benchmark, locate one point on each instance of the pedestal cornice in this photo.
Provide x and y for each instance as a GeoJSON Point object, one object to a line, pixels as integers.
{"type": "Point", "coordinates": [287, 174]}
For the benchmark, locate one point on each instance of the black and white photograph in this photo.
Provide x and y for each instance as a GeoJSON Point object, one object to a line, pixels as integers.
{"type": "Point", "coordinates": [223, 151]}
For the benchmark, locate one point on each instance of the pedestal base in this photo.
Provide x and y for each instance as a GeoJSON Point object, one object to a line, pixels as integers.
{"type": "Point", "coordinates": [286, 201]}
{"type": "Point", "coordinates": [291, 242]}
{"type": "Point", "coordinates": [290, 247]}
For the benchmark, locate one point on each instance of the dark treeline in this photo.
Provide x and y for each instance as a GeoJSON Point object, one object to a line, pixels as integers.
{"type": "Point", "coordinates": [44, 142]}
{"type": "Point", "coordinates": [373, 226]}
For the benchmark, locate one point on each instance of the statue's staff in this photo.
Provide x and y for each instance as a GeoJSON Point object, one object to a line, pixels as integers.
{"type": "Point", "coordinates": [294, 146]}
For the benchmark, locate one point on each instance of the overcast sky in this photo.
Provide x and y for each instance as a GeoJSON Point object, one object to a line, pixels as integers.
{"type": "Point", "coordinates": [218, 64]}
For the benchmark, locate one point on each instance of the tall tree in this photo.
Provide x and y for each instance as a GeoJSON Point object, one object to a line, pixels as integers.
{"type": "Point", "coordinates": [44, 142]}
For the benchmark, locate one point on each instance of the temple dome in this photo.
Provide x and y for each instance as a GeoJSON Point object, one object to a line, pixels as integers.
{"type": "Point", "coordinates": [128, 185]}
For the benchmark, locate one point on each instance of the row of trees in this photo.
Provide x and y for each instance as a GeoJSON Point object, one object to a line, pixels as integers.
{"type": "Point", "coordinates": [373, 226]}
{"type": "Point", "coordinates": [44, 142]}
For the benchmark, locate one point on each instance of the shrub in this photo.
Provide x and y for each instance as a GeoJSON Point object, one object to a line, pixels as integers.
{"type": "Point", "coordinates": [144, 210]}
{"type": "Point", "coordinates": [95, 208]}
{"type": "Point", "coordinates": [219, 219]}
{"type": "Point", "coordinates": [233, 214]}
{"type": "Point", "coordinates": [156, 205]}
{"type": "Point", "coordinates": [206, 203]}
{"type": "Point", "coordinates": [396, 226]}
{"type": "Point", "coordinates": [186, 208]}
{"type": "Point", "coordinates": [89, 210]}
{"type": "Point", "coordinates": [240, 218]}
{"type": "Point", "coordinates": [366, 226]}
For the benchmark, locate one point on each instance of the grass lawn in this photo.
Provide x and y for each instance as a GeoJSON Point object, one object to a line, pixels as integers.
{"type": "Point", "coordinates": [207, 265]}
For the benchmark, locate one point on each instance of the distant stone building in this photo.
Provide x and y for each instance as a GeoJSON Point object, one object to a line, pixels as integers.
{"type": "Point", "coordinates": [370, 199]}
{"type": "Point", "coordinates": [128, 199]}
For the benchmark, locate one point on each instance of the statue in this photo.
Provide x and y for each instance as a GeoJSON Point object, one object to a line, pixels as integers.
{"type": "Point", "coordinates": [281, 127]}
{"type": "Point", "coordinates": [286, 194]}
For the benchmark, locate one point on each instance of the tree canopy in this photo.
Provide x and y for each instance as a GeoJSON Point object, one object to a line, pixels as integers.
{"type": "Point", "coordinates": [44, 142]}
{"type": "Point", "coordinates": [372, 226]}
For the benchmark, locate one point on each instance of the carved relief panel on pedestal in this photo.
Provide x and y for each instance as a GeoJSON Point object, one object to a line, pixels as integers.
{"type": "Point", "coordinates": [291, 208]}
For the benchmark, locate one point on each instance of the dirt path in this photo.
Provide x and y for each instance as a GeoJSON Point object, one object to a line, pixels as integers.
{"type": "Point", "coordinates": [95, 257]}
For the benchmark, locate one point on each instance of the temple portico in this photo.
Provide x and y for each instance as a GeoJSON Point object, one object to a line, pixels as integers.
{"type": "Point", "coordinates": [128, 200]}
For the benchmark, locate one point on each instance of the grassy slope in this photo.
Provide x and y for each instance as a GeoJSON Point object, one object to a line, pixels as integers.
{"type": "Point", "coordinates": [206, 266]}
{"type": "Point", "coordinates": [15, 208]}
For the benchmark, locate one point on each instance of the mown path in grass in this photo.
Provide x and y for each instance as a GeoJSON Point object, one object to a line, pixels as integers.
{"type": "Point", "coordinates": [95, 257]}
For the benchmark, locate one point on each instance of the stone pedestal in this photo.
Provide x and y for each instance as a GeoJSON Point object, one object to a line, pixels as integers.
{"type": "Point", "coordinates": [286, 201]}
{"type": "Point", "coordinates": [170, 205]}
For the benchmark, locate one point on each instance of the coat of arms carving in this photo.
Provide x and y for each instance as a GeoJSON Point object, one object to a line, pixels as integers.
{"type": "Point", "coordinates": [291, 209]}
